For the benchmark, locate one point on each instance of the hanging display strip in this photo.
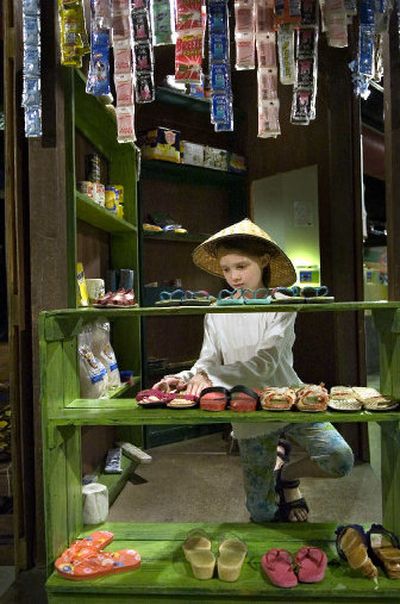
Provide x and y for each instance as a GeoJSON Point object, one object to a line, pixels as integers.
{"type": "Point", "coordinates": [163, 22]}
{"type": "Point", "coordinates": [74, 41]}
{"type": "Point", "coordinates": [219, 65]}
{"type": "Point", "coordinates": [143, 51]}
{"type": "Point", "coordinates": [267, 71]}
{"type": "Point", "coordinates": [190, 25]}
{"type": "Point", "coordinates": [31, 88]}
{"type": "Point", "coordinates": [124, 69]}
{"type": "Point", "coordinates": [305, 86]}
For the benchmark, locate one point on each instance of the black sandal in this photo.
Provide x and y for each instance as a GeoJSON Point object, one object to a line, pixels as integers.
{"type": "Point", "coordinates": [287, 447]}
{"type": "Point", "coordinates": [285, 507]}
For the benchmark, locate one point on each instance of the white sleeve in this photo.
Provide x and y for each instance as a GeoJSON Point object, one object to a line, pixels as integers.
{"type": "Point", "coordinates": [278, 338]}
{"type": "Point", "coordinates": [210, 356]}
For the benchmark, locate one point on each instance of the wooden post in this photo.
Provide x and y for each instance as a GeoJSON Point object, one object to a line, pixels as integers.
{"type": "Point", "coordinates": [392, 153]}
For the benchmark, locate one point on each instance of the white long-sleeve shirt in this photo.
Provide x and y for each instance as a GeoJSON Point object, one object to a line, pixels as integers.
{"type": "Point", "coordinates": [252, 349]}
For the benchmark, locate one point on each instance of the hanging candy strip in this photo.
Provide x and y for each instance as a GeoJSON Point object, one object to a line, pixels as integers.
{"type": "Point", "coordinates": [305, 88]}
{"type": "Point", "coordinates": [267, 72]}
{"type": "Point", "coordinates": [122, 41]}
{"type": "Point", "coordinates": [162, 21]}
{"type": "Point", "coordinates": [143, 51]}
{"type": "Point", "coordinates": [74, 42]}
{"type": "Point", "coordinates": [244, 34]}
{"type": "Point", "coordinates": [287, 11]}
{"type": "Point", "coordinates": [31, 95]}
{"type": "Point", "coordinates": [363, 67]}
{"type": "Point", "coordinates": [219, 64]}
{"type": "Point", "coordinates": [286, 55]}
{"type": "Point", "coordinates": [189, 49]}
{"type": "Point", "coordinates": [335, 16]}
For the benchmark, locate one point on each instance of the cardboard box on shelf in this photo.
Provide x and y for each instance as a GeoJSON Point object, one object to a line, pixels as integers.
{"type": "Point", "coordinates": [161, 143]}
{"type": "Point", "coordinates": [192, 154]}
{"type": "Point", "coordinates": [236, 163]}
{"type": "Point", "coordinates": [216, 159]}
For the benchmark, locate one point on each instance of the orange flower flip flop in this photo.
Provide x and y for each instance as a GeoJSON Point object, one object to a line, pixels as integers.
{"type": "Point", "coordinates": [96, 563]}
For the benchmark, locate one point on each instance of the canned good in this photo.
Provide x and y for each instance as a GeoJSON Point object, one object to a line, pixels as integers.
{"type": "Point", "coordinates": [93, 167]}
{"type": "Point", "coordinates": [99, 193]}
{"type": "Point", "coordinates": [86, 187]}
{"type": "Point", "coordinates": [111, 198]}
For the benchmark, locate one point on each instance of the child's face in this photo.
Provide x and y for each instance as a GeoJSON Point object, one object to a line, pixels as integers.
{"type": "Point", "coordinates": [242, 271]}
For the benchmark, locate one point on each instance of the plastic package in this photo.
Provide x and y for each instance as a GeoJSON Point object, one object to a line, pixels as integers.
{"type": "Point", "coordinates": [31, 95]}
{"type": "Point", "coordinates": [267, 74]}
{"type": "Point", "coordinates": [102, 349]}
{"type": "Point", "coordinates": [244, 34]}
{"type": "Point", "coordinates": [286, 49]}
{"type": "Point", "coordinates": [93, 374]}
{"type": "Point", "coordinates": [190, 28]}
{"type": "Point", "coordinates": [219, 65]}
{"type": "Point", "coordinates": [74, 42]}
{"type": "Point", "coordinates": [162, 21]}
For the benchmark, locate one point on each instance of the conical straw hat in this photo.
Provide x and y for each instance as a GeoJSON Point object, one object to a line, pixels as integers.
{"type": "Point", "coordinates": [282, 272]}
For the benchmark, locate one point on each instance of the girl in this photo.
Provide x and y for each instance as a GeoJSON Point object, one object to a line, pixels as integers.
{"type": "Point", "coordinates": [255, 349]}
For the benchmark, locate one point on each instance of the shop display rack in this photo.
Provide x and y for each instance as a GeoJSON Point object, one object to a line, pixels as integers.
{"type": "Point", "coordinates": [164, 575]}
{"type": "Point", "coordinates": [91, 212]}
{"type": "Point", "coordinates": [155, 168]}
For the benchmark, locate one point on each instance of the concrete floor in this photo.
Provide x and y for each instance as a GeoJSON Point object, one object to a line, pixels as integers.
{"type": "Point", "coordinates": [195, 480]}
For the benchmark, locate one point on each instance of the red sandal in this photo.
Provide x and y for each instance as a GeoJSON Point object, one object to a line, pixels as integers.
{"type": "Point", "coordinates": [311, 564]}
{"type": "Point", "coordinates": [277, 565]}
{"type": "Point", "coordinates": [96, 563]}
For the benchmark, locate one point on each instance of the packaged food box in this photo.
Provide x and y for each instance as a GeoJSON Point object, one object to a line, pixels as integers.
{"type": "Point", "coordinates": [216, 159]}
{"type": "Point", "coordinates": [192, 154]}
{"type": "Point", "coordinates": [236, 163]}
{"type": "Point", "coordinates": [161, 143]}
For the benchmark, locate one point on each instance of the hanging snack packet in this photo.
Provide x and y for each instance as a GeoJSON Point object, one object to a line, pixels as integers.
{"type": "Point", "coordinates": [101, 14]}
{"type": "Point", "coordinates": [162, 22]}
{"type": "Point", "coordinates": [124, 89]}
{"type": "Point", "coordinates": [266, 50]}
{"type": "Point", "coordinates": [188, 15]}
{"type": "Point", "coordinates": [264, 16]}
{"type": "Point", "coordinates": [336, 20]}
{"type": "Point", "coordinates": [73, 34]}
{"type": "Point", "coordinates": [126, 124]}
{"type": "Point", "coordinates": [122, 57]}
{"type": "Point", "coordinates": [267, 83]}
{"type": "Point", "coordinates": [287, 11]}
{"type": "Point", "coordinates": [189, 57]}
{"type": "Point", "coordinates": [268, 119]}
{"type": "Point", "coordinates": [244, 35]}
{"type": "Point", "coordinates": [219, 65]}
{"type": "Point", "coordinates": [98, 82]}
{"type": "Point", "coordinates": [286, 47]}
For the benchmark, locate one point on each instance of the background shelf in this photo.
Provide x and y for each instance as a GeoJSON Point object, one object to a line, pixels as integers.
{"type": "Point", "coordinates": [176, 237]}
{"type": "Point", "coordinates": [166, 95]}
{"type": "Point", "coordinates": [153, 168]}
{"type": "Point", "coordinates": [94, 214]}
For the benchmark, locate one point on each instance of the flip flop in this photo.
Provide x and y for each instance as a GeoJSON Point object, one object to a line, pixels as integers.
{"type": "Point", "coordinates": [227, 297]}
{"type": "Point", "coordinates": [352, 546]}
{"type": "Point", "coordinates": [232, 553]}
{"type": "Point", "coordinates": [257, 296]}
{"type": "Point", "coordinates": [153, 397]}
{"type": "Point", "coordinates": [196, 540]}
{"type": "Point", "coordinates": [311, 564]}
{"type": "Point", "coordinates": [243, 399]}
{"type": "Point", "coordinates": [214, 398]}
{"type": "Point", "coordinates": [97, 564]}
{"type": "Point", "coordinates": [97, 540]}
{"type": "Point", "coordinates": [384, 550]}
{"type": "Point", "coordinates": [197, 298]}
{"type": "Point", "coordinates": [182, 401]}
{"type": "Point", "coordinates": [170, 298]}
{"type": "Point", "coordinates": [277, 565]}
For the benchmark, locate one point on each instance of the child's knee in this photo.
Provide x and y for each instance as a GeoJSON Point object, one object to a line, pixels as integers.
{"type": "Point", "coordinates": [341, 461]}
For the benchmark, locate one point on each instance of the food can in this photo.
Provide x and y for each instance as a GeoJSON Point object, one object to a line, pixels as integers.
{"type": "Point", "coordinates": [86, 187]}
{"type": "Point", "coordinates": [93, 167]}
{"type": "Point", "coordinates": [111, 198]}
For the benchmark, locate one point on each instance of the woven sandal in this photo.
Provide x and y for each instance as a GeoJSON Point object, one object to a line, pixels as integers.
{"type": "Point", "coordinates": [352, 545]}
{"type": "Point", "coordinates": [384, 550]}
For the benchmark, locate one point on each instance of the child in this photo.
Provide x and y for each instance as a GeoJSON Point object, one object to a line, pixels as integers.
{"type": "Point", "coordinates": [255, 349]}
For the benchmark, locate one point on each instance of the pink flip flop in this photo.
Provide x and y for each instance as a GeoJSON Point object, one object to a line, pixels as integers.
{"type": "Point", "coordinates": [277, 565]}
{"type": "Point", "coordinates": [311, 564]}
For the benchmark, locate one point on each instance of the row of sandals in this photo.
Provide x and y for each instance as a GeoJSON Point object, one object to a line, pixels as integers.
{"type": "Point", "coordinates": [364, 551]}
{"type": "Point", "coordinates": [308, 398]}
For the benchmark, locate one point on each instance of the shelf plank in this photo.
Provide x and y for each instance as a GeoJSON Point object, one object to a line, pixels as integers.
{"type": "Point", "coordinates": [94, 214]}
{"type": "Point", "coordinates": [124, 412]}
{"type": "Point", "coordinates": [116, 482]}
{"type": "Point", "coordinates": [181, 238]}
{"type": "Point", "coordinates": [166, 95]}
{"type": "Point", "coordinates": [113, 402]}
{"type": "Point", "coordinates": [165, 572]}
{"type": "Point", "coordinates": [164, 170]}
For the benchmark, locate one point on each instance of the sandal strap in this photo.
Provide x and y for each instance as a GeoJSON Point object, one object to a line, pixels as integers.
{"type": "Point", "coordinates": [244, 390]}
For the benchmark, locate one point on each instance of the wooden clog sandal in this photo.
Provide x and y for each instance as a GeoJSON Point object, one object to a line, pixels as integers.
{"type": "Point", "coordinates": [341, 398]}
{"type": "Point", "coordinates": [97, 564]}
{"type": "Point", "coordinates": [352, 546]}
{"type": "Point", "coordinates": [243, 399]}
{"type": "Point", "coordinates": [311, 564]}
{"type": "Point", "coordinates": [232, 553]}
{"type": "Point", "coordinates": [277, 399]}
{"type": "Point", "coordinates": [277, 565]}
{"type": "Point", "coordinates": [214, 398]}
{"type": "Point", "coordinates": [384, 550]}
{"type": "Point", "coordinates": [312, 398]}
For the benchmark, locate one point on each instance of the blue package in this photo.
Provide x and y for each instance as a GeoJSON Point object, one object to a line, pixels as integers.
{"type": "Point", "coordinates": [98, 82]}
{"type": "Point", "coordinates": [218, 48]}
{"type": "Point", "coordinates": [220, 77]}
{"type": "Point", "coordinates": [217, 17]}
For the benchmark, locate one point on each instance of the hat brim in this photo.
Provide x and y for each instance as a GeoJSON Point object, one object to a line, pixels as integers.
{"type": "Point", "coordinates": [282, 272]}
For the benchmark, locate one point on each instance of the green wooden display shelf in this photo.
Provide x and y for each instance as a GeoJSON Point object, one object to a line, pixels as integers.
{"type": "Point", "coordinates": [182, 238]}
{"type": "Point", "coordinates": [153, 168]}
{"type": "Point", "coordinates": [94, 214]}
{"type": "Point", "coordinates": [82, 412]}
{"type": "Point", "coordinates": [110, 402]}
{"type": "Point", "coordinates": [165, 576]}
{"type": "Point", "coordinates": [166, 95]}
{"type": "Point", "coordinates": [116, 482]}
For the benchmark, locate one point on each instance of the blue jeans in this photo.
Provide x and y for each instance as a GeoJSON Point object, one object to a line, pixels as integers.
{"type": "Point", "coordinates": [321, 443]}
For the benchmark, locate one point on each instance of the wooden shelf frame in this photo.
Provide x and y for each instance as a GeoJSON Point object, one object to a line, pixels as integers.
{"type": "Point", "coordinates": [91, 212]}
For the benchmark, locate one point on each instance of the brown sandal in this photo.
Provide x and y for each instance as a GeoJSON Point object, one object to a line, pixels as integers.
{"type": "Point", "coordinates": [351, 544]}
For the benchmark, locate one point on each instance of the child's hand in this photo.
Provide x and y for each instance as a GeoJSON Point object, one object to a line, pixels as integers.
{"type": "Point", "coordinates": [170, 382]}
{"type": "Point", "coordinates": [197, 383]}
